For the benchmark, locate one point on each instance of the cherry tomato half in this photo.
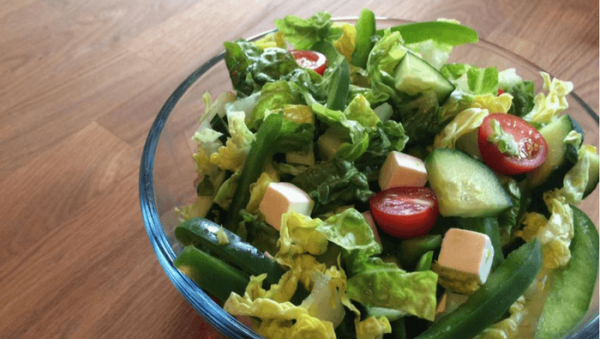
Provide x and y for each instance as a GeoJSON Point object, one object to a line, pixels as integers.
{"type": "Point", "coordinates": [533, 149]}
{"type": "Point", "coordinates": [405, 212]}
{"type": "Point", "coordinates": [310, 59]}
{"type": "Point", "coordinates": [500, 91]}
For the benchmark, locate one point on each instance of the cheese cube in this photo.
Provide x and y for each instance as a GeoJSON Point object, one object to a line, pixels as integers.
{"type": "Point", "coordinates": [449, 302]}
{"type": "Point", "coordinates": [401, 169]}
{"type": "Point", "coordinates": [466, 255]}
{"type": "Point", "coordinates": [369, 218]}
{"type": "Point", "coordinates": [283, 197]}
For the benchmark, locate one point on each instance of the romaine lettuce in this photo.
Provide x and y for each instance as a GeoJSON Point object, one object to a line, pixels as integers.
{"type": "Point", "coordinates": [303, 34]}
{"type": "Point", "coordinates": [333, 184]}
{"type": "Point", "coordinates": [472, 79]}
{"type": "Point", "coordinates": [233, 155]}
{"type": "Point", "coordinates": [548, 107]}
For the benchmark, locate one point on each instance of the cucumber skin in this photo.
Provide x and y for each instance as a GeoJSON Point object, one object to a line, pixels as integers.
{"type": "Point", "coordinates": [211, 274]}
{"type": "Point", "coordinates": [573, 286]}
{"type": "Point", "coordinates": [202, 232]}
{"type": "Point", "coordinates": [494, 298]}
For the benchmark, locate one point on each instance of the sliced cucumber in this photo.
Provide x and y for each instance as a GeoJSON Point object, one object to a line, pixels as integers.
{"type": "Point", "coordinates": [593, 175]}
{"type": "Point", "coordinates": [560, 158]}
{"type": "Point", "coordinates": [414, 75]}
{"type": "Point", "coordinates": [464, 186]}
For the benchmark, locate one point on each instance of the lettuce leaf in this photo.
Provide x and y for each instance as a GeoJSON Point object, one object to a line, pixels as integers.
{"type": "Point", "coordinates": [555, 234]}
{"type": "Point", "coordinates": [346, 129]}
{"type": "Point", "coordinates": [548, 107]}
{"type": "Point", "coordinates": [232, 156]}
{"type": "Point", "coordinates": [253, 229]}
{"type": "Point", "coordinates": [350, 231]}
{"type": "Point", "coordinates": [303, 34]}
{"type": "Point", "coordinates": [271, 40]}
{"type": "Point", "coordinates": [333, 184]}
{"type": "Point", "coordinates": [383, 60]}
{"type": "Point", "coordinates": [250, 66]}
{"type": "Point", "coordinates": [576, 179]}
{"type": "Point", "coordinates": [472, 79]}
{"type": "Point", "coordinates": [273, 96]}
{"type": "Point", "coordinates": [360, 110]}
{"type": "Point", "coordinates": [226, 192]}
{"type": "Point", "coordinates": [299, 234]}
{"type": "Point", "coordinates": [279, 320]}
{"type": "Point", "coordinates": [523, 92]}
{"type": "Point", "coordinates": [347, 42]}
{"type": "Point", "coordinates": [258, 189]}
{"type": "Point", "coordinates": [380, 284]}
{"type": "Point", "coordinates": [384, 138]}
{"type": "Point", "coordinates": [465, 122]}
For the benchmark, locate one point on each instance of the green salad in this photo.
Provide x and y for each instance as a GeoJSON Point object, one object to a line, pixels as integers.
{"type": "Point", "coordinates": [354, 184]}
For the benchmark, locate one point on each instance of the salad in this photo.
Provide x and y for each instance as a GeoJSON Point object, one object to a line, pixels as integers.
{"type": "Point", "coordinates": [354, 184]}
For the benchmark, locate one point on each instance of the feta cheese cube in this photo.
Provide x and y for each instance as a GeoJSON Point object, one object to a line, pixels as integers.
{"type": "Point", "coordinates": [369, 218]}
{"type": "Point", "coordinates": [401, 169]}
{"type": "Point", "coordinates": [466, 255]}
{"type": "Point", "coordinates": [283, 197]}
{"type": "Point", "coordinates": [328, 144]}
{"type": "Point", "coordinates": [449, 302]}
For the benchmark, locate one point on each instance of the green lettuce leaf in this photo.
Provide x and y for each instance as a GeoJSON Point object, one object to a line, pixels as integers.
{"type": "Point", "coordinates": [576, 179]}
{"type": "Point", "coordinates": [299, 234]}
{"type": "Point", "coordinates": [350, 231]}
{"type": "Point", "coordinates": [250, 67]}
{"type": "Point", "coordinates": [464, 123]}
{"type": "Point", "coordinates": [381, 64]}
{"type": "Point", "coordinates": [273, 96]}
{"type": "Point", "coordinates": [254, 230]}
{"type": "Point", "coordinates": [347, 129]}
{"type": "Point", "coordinates": [472, 79]}
{"type": "Point", "coordinates": [333, 184]}
{"type": "Point", "coordinates": [548, 107]}
{"type": "Point", "coordinates": [233, 155]}
{"type": "Point", "coordinates": [360, 110]}
{"type": "Point", "coordinates": [523, 92]}
{"type": "Point", "coordinates": [420, 116]}
{"type": "Point", "coordinates": [380, 284]}
{"type": "Point", "coordinates": [303, 34]}
{"type": "Point", "coordinates": [383, 139]}
{"type": "Point", "coordinates": [227, 191]}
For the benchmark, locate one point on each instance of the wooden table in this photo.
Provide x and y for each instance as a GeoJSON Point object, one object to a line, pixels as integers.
{"type": "Point", "coordinates": [80, 84]}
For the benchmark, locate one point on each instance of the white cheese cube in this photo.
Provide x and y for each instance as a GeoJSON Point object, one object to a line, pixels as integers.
{"type": "Point", "coordinates": [449, 302]}
{"type": "Point", "coordinates": [400, 170]}
{"type": "Point", "coordinates": [369, 218]}
{"type": "Point", "coordinates": [283, 197]}
{"type": "Point", "coordinates": [467, 254]}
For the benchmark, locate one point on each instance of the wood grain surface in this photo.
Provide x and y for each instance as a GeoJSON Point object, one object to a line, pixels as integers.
{"type": "Point", "coordinates": [80, 84]}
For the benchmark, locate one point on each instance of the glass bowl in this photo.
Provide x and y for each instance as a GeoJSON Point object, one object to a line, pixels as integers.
{"type": "Point", "coordinates": [167, 171]}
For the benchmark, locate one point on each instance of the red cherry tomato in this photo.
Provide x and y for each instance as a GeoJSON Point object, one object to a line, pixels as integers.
{"type": "Point", "coordinates": [500, 91]}
{"type": "Point", "coordinates": [310, 59]}
{"type": "Point", "coordinates": [405, 212]}
{"type": "Point", "coordinates": [533, 149]}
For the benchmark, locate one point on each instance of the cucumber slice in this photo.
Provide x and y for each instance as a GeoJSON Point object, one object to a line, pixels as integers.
{"type": "Point", "coordinates": [561, 157]}
{"type": "Point", "coordinates": [593, 175]}
{"type": "Point", "coordinates": [414, 75]}
{"type": "Point", "coordinates": [464, 186]}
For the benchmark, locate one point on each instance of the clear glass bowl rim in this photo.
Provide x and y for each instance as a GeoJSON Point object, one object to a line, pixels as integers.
{"type": "Point", "coordinates": [208, 309]}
